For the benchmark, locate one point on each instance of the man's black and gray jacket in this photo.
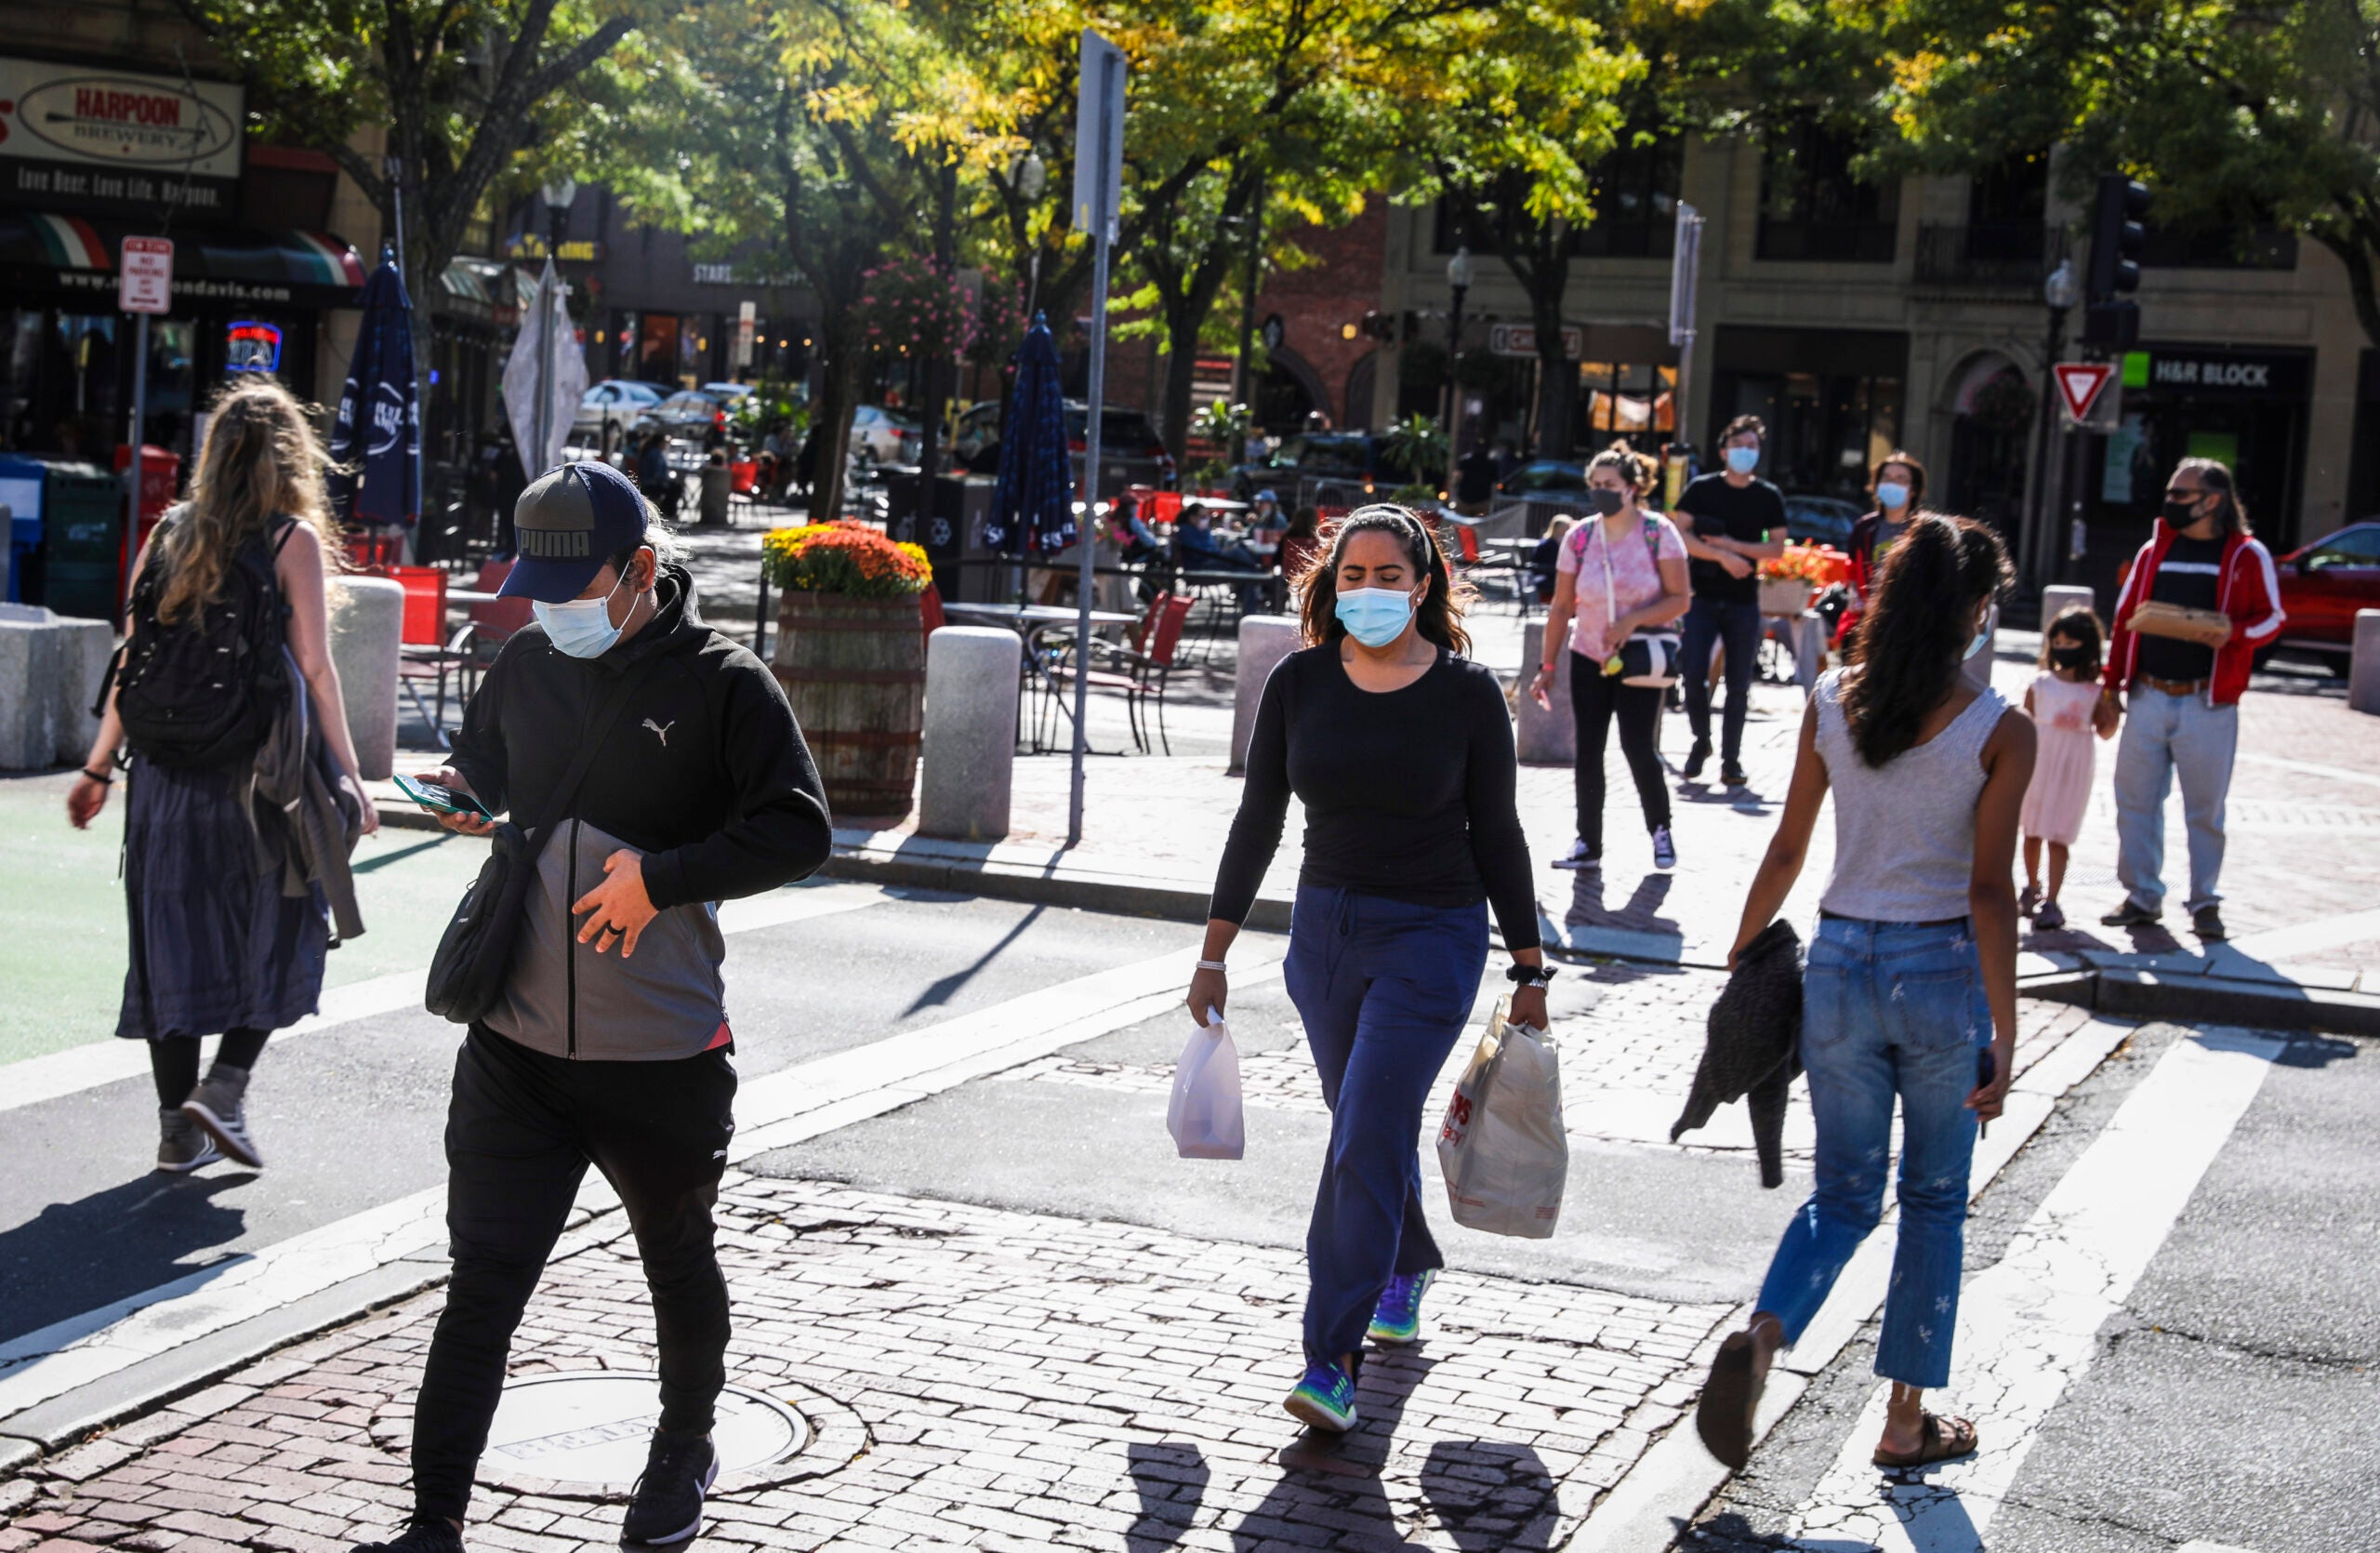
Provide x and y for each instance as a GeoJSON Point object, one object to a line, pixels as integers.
{"type": "Point", "coordinates": [702, 773]}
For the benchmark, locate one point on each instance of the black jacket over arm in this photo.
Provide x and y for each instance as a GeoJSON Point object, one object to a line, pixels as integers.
{"type": "Point", "coordinates": [704, 771]}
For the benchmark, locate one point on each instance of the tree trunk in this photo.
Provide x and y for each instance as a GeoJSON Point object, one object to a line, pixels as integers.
{"type": "Point", "coordinates": [837, 389]}
{"type": "Point", "coordinates": [1181, 373]}
{"type": "Point", "coordinates": [1557, 378]}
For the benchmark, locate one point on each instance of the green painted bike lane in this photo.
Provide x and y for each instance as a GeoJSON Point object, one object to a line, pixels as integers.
{"type": "Point", "coordinates": [62, 936]}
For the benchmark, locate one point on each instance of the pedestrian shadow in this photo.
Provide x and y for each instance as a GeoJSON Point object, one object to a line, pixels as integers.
{"type": "Point", "coordinates": [73, 1257]}
{"type": "Point", "coordinates": [941, 991]}
{"type": "Point", "coordinates": [1491, 1495]}
{"type": "Point", "coordinates": [1171, 1481]}
{"type": "Point", "coordinates": [1641, 912]}
{"type": "Point", "coordinates": [1331, 1494]}
{"type": "Point", "coordinates": [2317, 1051]}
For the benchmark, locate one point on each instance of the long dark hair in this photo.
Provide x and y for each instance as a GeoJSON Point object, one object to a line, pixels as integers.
{"type": "Point", "coordinates": [1916, 630]}
{"type": "Point", "coordinates": [1439, 616]}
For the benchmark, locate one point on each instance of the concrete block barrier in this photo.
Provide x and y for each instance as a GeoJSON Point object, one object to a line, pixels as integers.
{"type": "Point", "coordinates": [50, 669]}
{"type": "Point", "coordinates": [2059, 597]}
{"type": "Point", "coordinates": [1264, 641]}
{"type": "Point", "coordinates": [2363, 672]}
{"type": "Point", "coordinates": [1547, 735]}
{"type": "Point", "coordinates": [367, 625]}
{"type": "Point", "coordinates": [968, 759]}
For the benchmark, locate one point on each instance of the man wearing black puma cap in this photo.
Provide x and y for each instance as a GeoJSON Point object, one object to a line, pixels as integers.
{"type": "Point", "coordinates": [699, 791]}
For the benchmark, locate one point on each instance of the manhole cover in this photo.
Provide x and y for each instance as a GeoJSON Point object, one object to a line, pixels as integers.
{"type": "Point", "coordinates": [593, 1429]}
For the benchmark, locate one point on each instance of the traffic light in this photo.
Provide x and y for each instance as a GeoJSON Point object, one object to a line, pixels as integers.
{"type": "Point", "coordinates": [2109, 316]}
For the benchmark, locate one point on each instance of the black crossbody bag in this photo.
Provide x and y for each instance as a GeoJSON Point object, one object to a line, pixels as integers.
{"type": "Point", "coordinates": [474, 960]}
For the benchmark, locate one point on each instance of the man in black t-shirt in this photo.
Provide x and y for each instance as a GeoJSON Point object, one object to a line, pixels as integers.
{"type": "Point", "coordinates": [1732, 522]}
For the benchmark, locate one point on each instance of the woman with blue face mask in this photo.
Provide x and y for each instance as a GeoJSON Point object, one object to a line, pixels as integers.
{"type": "Point", "coordinates": [1899, 483]}
{"type": "Point", "coordinates": [1401, 751]}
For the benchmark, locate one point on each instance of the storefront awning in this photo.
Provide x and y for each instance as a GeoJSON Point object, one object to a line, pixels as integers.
{"type": "Point", "coordinates": [70, 259]}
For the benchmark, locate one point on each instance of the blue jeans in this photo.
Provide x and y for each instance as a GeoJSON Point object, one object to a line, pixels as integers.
{"type": "Point", "coordinates": [2166, 737]}
{"type": "Point", "coordinates": [1384, 989]}
{"type": "Point", "coordinates": [1737, 627]}
{"type": "Point", "coordinates": [1887, 1009]}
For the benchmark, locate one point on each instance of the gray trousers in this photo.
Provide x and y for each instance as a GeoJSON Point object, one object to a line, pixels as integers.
{"type": "Point", "coordinates": [2166, 736]}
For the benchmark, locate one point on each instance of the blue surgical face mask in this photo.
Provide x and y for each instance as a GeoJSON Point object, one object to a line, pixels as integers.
{"type": "Point", "coordinates": [1983, 632]}
{"type": "Point", "coordinates": [581, 628]}
{"type": "Point", "coordinates": [1743, 460]}
{"type": "Point", "coordinates": [1893, 494]}
{"type": "Point", "coordinates": [1375, 617]}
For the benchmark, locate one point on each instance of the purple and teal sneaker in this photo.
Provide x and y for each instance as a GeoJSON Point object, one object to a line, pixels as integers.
{"type": "Point", "coordinates": [1325, 1399]}
{"type": "Point", "coordinates": [1396, 1319]}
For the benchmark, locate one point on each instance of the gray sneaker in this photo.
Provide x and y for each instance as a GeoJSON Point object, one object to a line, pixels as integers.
{"type": "Point", "coordinates": [182, 1145]}
{"type": "Point", "coordinates": [219, 1104]}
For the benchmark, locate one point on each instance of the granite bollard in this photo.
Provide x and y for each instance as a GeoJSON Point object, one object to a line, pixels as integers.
{"type": "Point", "coordinates": [2059, 597]}
{"type": "Point", "coordinates": [1264, 641]}
{"type": "Point", "coordinates": [368, 624]}
{"type": "Point", "coordinates": [1546, 735]}
{"type": "Point", "coordinates": [50, 669]}
{"type": "Point", "coordinates": [968, 759]}
{"type": "Point", "coordinates": [2363, 672]}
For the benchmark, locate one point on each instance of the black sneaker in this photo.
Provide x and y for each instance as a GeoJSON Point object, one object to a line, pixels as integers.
{"type": "Point", "coordinates": [429, 1535]}
{"type": "Point", "coordinates": [1731, 774]}
{"type": "Point", "coordinates": [669, 1503]}
{"type": "Point", "coordinates": [2207, 922]}
{"type": "Point", "coordinates": [1696, 759]}
{"type": "Point", "coordinates": [2131, 914]}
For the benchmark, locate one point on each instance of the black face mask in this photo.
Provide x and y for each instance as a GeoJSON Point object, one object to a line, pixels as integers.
{"type": "Point", "coordinates": [2071, 657]}
{"type": "Point", "coordinates": [2182, 515]}
{"type": "Point", "coordinates": [1606, 502]}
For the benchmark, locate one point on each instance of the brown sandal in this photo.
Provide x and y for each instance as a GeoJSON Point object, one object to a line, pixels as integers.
{"type": "Point", "coordinates": [1940, 1437]}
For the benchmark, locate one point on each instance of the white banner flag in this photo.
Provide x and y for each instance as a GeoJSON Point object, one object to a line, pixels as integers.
{"type": "Point", "coordinates": [568, 382]}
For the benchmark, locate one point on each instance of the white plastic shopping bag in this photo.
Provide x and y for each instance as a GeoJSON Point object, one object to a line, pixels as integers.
{"type": "Point", "coordinates": [1204, 1115]}
{"type": "Point", "coordinates": [1502, 1148]}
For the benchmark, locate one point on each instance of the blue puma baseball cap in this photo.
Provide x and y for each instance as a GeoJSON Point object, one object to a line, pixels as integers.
{"type": "Point", "coordinates": [576, 517]}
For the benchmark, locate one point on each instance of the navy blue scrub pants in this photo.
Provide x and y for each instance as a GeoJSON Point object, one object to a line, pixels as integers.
{"type": "Point", "coordinates": [1384, 989]}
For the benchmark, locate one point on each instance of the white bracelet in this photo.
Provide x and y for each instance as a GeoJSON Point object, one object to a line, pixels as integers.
{"type": "Point", "coordinates": [1212, 965]}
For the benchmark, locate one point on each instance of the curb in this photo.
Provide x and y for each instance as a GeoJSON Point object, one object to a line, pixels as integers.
{"type": "Point", "coordinates": [921, 869]}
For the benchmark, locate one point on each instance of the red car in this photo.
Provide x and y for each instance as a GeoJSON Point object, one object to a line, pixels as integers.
{"type": "Point", "coordinates": [2323, 584]}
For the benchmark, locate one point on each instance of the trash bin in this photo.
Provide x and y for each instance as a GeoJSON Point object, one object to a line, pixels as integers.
{"type": "Point", "coordinates": [161, 473]}
{"type": "Point", "coordinates": [82, 541]}
{"type": "Point", "coordinates": [20, 485]}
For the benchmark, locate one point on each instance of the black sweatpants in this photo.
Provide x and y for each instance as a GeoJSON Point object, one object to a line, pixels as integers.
{"type": "Point", "coordinates": [520, 1131]}
{"type": "Point", "coordinates": [1595, 699]}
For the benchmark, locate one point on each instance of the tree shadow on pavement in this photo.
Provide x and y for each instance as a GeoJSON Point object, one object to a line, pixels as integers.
{"type": "Point", "coordinates": [1333, 1486]}
{"type": "Point", "coordinates": [78, 1256]}
{"type": "Point", "coordinates": [1491, 1495]}
{"type": "Point", "coordinates": [1171, 1481]}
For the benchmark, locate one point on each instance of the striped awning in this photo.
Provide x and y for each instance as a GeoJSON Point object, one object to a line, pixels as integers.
{"type": "Point", "coordinates": [74, 256]}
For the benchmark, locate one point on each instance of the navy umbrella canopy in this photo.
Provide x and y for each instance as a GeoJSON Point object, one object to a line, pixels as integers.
{"type": "Point", "coordinates": [1032, 505]}
{"type": "Point", "coordinates": [376, 440]}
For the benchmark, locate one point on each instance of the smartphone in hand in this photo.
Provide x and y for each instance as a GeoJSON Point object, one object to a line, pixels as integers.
{"type": "Point", "coordinates": [1986, 1068]}
{"type": "Point", "coordinates": [440, 799]}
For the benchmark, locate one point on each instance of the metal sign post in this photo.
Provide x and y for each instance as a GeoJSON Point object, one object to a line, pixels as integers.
{"type": "Point", "coordinates": [1685, 272]}
{"type": "Point", "coordinates": [144, 286]}
{"type": "Point", "coordinates": [544, 362]}
{"type": "Point", "coordinates": [1099, 187]}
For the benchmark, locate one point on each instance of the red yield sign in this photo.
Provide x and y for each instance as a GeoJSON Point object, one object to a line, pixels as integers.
{"type": "Point", "coordinates": [145, 281]}
{"type": "Point", "coordinates": [2080, 385]}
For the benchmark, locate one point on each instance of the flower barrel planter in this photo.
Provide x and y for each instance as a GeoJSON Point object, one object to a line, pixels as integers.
{"type": "Point", "coordinates": [855, 672]}
{"type": "Point", "coordinates": [1783, 595]}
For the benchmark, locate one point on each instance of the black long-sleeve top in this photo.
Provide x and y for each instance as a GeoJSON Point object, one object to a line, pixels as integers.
{"type": "Point", "coordinates": [1408, 793]}
{"type": "Point", "coordinates": [705, 771]}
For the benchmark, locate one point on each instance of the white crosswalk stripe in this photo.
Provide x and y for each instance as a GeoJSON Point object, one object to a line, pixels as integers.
{"type": "Point", "coordinates": [2029, 1325]}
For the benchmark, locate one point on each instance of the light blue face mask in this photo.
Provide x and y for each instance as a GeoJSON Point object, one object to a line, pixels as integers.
{"type": "Point", "coordinates": [1893, 494]}
{"type": "Point", "coordinates": [1983, 634]}
{"type": "Point", "coordinates": [1743, 460]}
{"type": "Point", "coordinates": [582, 628]}
{"type": "Point", "coordinates": [1375, 617]}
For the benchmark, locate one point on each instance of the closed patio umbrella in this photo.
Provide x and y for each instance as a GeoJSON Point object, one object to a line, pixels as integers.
{"type": "Point", "coordinates": [377, 439]}
{"type": "Point", "coordinates": [1033, 504]}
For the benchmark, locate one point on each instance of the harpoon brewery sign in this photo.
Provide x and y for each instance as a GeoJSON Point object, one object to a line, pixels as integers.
{"type": "Point", "coordinates": [76, 138]}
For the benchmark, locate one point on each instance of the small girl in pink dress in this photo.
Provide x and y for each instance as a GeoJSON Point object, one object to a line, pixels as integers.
{"type": "Point", "coordinates": [2060, 702]}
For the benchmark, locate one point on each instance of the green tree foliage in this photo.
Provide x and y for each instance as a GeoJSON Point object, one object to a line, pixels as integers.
{"type": "Point", "coordinates": [2238, 115]}
{"type": "Point", "coordinates": [474, 95]}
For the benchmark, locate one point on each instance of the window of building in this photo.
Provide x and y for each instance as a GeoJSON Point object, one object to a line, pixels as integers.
{"type": "Point", "coordinates": [2007, 209]}
{"type": "Point", "coordinates": [1813, 209]}
{"type": "Point", "coordinates": [2214, 245]}
{"type": "Point", "coordinates": [1636, 190]}
{"type": "Point", "coordinates": [1624, 400]}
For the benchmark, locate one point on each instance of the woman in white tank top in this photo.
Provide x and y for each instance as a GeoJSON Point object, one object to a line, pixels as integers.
{"type": "Point", "coordinates": [1911, 990]}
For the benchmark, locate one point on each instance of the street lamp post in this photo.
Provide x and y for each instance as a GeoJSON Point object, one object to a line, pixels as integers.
{"type": "Point", "coordinates": [1457, 284]}
{"type": "Point", "coordinates": [2060, 292]}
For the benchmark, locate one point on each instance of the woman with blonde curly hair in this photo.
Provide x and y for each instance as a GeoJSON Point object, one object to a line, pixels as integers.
{"type": "Point", "coordinates": [218, 946]}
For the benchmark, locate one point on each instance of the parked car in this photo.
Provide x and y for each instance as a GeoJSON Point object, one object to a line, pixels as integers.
{"type": "Point", "coordinates": [1554, 481]}
{"type": "Point", "coordinates": [1131, 451]}
{"type": "Point", "coordinates": [1826, 520]}
{"type": "Point", "coordinates": [882, 436]}
{"type": "Point", "coordinates": [2325, 583]}
{"type": "Point", "coordinates": [1349, 465]}
{"type": "Point", "coordinates": [610, 407]}
{"type": "Point", "coordinates": [686, 416]}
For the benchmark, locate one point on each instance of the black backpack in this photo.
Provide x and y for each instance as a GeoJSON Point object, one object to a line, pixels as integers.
{"type": "Point", "coordinates": [200, 694]}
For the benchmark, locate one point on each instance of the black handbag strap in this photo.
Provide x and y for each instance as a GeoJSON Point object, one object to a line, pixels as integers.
{"type": "Point", "coordinates": [567, 788]}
